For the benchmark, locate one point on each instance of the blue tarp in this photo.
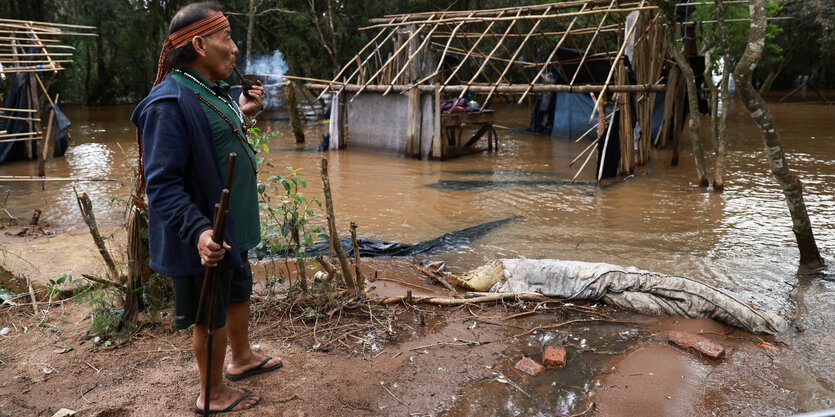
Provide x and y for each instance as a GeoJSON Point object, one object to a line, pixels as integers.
{"type": "Point", "coordinates": [571, 114]}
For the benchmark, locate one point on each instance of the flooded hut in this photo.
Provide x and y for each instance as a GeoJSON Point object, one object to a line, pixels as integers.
{"type": "Point", "coordinates": [424, 85]}
{"type": "Point", "coordinates": [30, 120]}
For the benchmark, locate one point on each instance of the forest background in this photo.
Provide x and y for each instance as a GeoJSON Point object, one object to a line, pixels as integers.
{"type": "Point", "coordinates": [316, 36]}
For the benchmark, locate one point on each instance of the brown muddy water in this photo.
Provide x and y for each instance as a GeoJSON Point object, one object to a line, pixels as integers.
{"type": "Point", "coordinates": [658, 220]}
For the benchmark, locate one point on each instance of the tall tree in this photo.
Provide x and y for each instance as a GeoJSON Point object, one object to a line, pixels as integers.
{"type": "Point", "coordinates": [791, 185]}
{"type": "Point", "coordinates": [668, 10]}
{"type": "Point", "coordinates": [718, 45]}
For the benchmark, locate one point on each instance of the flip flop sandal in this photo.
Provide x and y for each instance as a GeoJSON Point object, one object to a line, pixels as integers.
{"type": "Point", "coordinates": [257, 369]}
{"type": "Point", "coordinates": [231, 406]}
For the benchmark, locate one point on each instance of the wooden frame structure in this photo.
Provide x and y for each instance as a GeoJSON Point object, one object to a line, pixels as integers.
{"type": "Point", "coordinates": [500, 52]}
{"type": "Point", "coordinates": [28, 47]}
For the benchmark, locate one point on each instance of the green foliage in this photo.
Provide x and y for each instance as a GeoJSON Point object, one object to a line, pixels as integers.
{"type": "Point", "coordinates": [105, 321]}
{"type": "Point", "coordinates": [55, 286]}
{"type": "Point", "coordinates": [285, 227]}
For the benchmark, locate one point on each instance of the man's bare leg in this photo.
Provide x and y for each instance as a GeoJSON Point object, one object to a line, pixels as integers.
{"type": "Point", "coordinates": [222, 395]}
{"type": "Point", "coordinates": [243, 358]}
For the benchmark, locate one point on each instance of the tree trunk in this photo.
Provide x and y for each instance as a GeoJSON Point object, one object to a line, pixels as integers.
{"type": "Point", "coordinates": [668, 9]}
{"type": "Point", "coordinates": [791, 185]}
{"type": "Point", "coordinates": [250, 29]}
{"type": "Point", "coordinates": [719, 97]}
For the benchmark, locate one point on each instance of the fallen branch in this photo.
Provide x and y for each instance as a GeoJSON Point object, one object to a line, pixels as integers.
{"type": "Point", "coordinates": [438, 278]}
{"type": "Point", "coordinates": [104, 281]}
{"type": "Point", "coordinates": [479, 298]}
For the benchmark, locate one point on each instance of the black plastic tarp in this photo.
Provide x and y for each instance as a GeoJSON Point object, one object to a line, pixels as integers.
{"type": "Point", "coordinates": [371, 248]}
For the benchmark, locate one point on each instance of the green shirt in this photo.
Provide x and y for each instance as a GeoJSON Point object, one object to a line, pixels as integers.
{"type": "Point", "coordinates": [243, 201]}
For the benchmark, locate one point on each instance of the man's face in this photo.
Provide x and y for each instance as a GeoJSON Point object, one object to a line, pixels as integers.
{"type": "Point", "coordinates": [220, 54]}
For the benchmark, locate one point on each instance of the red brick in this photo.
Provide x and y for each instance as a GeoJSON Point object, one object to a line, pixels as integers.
{"type": "Point", "coordinates": [697, 344]}
{"type": "Point", "coordinates": [529, 366]}
{"type": "Point", "coordinates": [553, 356]}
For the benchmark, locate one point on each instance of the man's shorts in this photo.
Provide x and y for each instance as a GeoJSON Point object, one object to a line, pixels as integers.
{"type": "Point", "coordinates": [234, 287]}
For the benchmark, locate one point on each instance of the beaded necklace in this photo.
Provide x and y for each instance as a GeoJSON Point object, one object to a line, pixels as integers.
{"type": "Point", "coordinates": [245, 143]}
{"type": "Point", "coordinates": [235, 110]}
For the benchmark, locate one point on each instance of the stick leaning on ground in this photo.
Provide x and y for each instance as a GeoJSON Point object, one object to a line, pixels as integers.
{"type": "Point", "coordinates": [208, 294]}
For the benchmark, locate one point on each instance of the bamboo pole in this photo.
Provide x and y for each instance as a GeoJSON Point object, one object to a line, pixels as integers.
{"type": "Point", "coordinates": [596, 32]}
{"type": "Point", "coordinates": [487, 59]}
{"type": "Point", "coordinates": [38, 54]}
{"type": "Point", "coordinates": [33, 119]}
{"type": "Point", "coordinates": [375, 50]}
{"type": "Point", "coordinates": [496, 12]}
{"type": "Point", "coordinates": [18, 110]}
{"type": "Point", "coordinates": [388, 61]}
{"type": "Point", "coordinates": [25, 178]}
{"type": "Point", "coordinates": [66, 25]}
{"type": "Point", "coordinates": [584, 31]}
{"type": "Point", "coordinates": [583, 152]}
{"type": "Point", "coordinates": [622, 10]}
{"type": "Point", "coordinates": [504, 89]}
{"type": "Point", "coordinates": [469, 53]}
{"type": "Point", "coordinates": [45, 144]}
{"type": "Point", "coordinates": [550, 57]}
{"type": "Point", "coordinates": [50, 62]}
{"type": "Point", "coordinates": [43, 48]}
{"type": "Point", "coordinates": [411, 57]}
{"type": "Point", "coordinates": [512, 58]}
{"type": "Point", "coordinates": [611, 70]}
{"type": "Point", "coordinates": [443, 54]}
{"type": "Point", "coordinates": [605, 143]}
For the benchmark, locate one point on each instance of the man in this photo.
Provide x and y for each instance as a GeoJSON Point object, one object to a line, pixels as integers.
{"type": "Point", "coordinates": [187, 127]}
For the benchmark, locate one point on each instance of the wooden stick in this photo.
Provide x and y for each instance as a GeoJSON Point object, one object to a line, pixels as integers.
{"type": "Point", "coordinates": [104, 281]}
{"type": "Point", "coordinates": [86, 207]}
{"type": "Point", "coordinates": [435, 277]}
{"type": "Point", "coordinates": [550, 57]}
{"type": "Point", "coordinates": [360, 277]}
{"type": "Point", "coordinates": [594, 142]}
{"type": "Point", "coordinates": [591, 129]}
{"type": "Point", "coordinates": [334, 237]}
{"type": "Point", "coordinates": [9, 135]}
{"type": "Point", "coordinates": [32, 296]}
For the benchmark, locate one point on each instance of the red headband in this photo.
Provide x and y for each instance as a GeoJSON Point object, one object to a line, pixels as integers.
{"type": "Point", "coordinates": [204, 27]}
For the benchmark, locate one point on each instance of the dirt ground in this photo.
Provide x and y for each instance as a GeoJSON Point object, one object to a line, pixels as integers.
{"type": "Point", "coordinates": [51, 363]}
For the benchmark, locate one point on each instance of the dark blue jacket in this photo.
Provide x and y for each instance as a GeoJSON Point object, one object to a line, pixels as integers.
{"type": "Point", "coordinates": [183, 179]}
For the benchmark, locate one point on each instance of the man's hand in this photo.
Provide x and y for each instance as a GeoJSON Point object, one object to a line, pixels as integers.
{"type": "Point", "coordinates": [250, 104]}
{"type": "Point", "coordinates": [210, 252]}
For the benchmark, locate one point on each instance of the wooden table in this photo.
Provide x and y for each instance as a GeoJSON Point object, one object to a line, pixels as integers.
{"type": "Point", "coordinates": [452, 133]}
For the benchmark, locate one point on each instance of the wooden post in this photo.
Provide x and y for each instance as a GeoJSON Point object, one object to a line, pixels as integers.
{"type": "Point", "coordinates": [669, 98]}
{"type": "Point", "coordinates": [627, 141]}
{"type": "Point", "coordinates": [413, 117]}
{"type": "Point", "coordinates": [45, 144]}
{"type": "Point", "coordinates": [678, 118]}
{"type": "Point", "coordinates": [437, 137]}
{"type": "Point", "coordinates": [34, 126]}
{"type": "Point", "coordinates": [295, 124]}
{"type": "Point", "coordinates": [357, 266]}
{"type": "Point", "coordinates": [334, 237]}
